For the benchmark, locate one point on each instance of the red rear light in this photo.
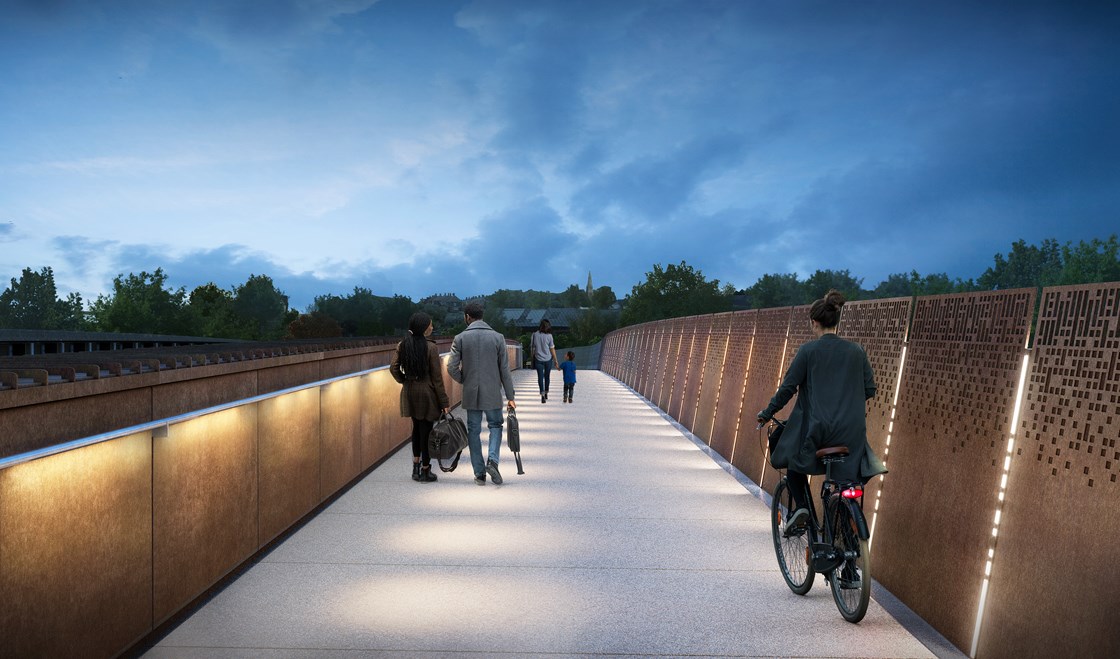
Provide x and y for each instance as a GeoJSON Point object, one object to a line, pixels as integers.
{"type": "Point", "coordinates": [852, 493]}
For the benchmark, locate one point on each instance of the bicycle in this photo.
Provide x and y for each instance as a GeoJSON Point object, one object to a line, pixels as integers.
{"type": "Point", "coordinates": [836, 548]}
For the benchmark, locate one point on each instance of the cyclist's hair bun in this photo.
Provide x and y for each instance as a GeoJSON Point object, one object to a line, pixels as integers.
{"type": "Point", "coordinates": [826, 310]}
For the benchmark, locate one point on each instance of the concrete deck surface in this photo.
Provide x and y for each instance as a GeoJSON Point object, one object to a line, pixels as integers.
{"type": "Point", "coordinates": [624, 537]}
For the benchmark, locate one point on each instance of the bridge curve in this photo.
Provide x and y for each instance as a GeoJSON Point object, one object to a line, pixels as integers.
{"type": "Point", "coordinates": [623, 537]}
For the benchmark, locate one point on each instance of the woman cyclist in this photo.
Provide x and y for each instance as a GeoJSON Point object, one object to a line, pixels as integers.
{"type": "Point", "coordinates": [833, 380]}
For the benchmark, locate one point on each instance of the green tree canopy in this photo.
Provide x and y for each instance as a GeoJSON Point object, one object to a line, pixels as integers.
{"type": "Point", "coordinates": [314, 325]}
{"type": "Point", "coordinates": [1090, 262]}
{"type": "Point", "coordinates": [1025, 266]}
{"type": "Point", "coordinates": [672, 292]}
{"type": "Point", "coordinates": [776, 290]}
{"type": "Point", "coordinates": [574, 297]}
{"type": "Point", "coordinates": [32, 302]}
{"type": "Point", "coordinates": [211, 313]}
{"type": "Point", "coordinates": [364, 314]}
{"type": "Point", "coordinates": [141, 303]}
{"type": "Point", "coordinates": [603, 297]}
{"type": "Point", "coordinates": [262, 307]}
{"type": "Point", "coordinates": [822, 281]}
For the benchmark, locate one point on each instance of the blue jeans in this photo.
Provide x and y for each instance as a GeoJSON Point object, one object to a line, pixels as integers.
{"type": "Point", "coordinates": [494, 421]}
{"type": "Point", "coordinates": [544, 370]}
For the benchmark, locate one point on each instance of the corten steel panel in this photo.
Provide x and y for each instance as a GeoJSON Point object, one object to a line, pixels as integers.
{"type": "Point", "coordinates": [696, 369]}
{"type": "Point", "coordinates": [733, 381]}
{"type": "Point", "coordinates": [639, 358]}
{"type": "Point", "coordinates": [283, 377]}
{"type": "Point", "coordinates": [33, 427]}
{"type": "Point", "coordinates": [1053, 588]}
{"type": "Point", "coordinates": [636, 357]}
{"type": "Point", "coordinates": [675, 388]}
{"type": "Point", "coordinates": [650, 357]}
{"type": "Point", "coordinates": [383, 427]}
{"type": "Point", "coordinates": [76, 551]}
{"type": "Point", "coordinates": [669, 363]}
{"type": "Point", "coordinates": [712, 365]}
{"type": "Point", "coordinates": [288, 466]}
{"type": "Point", "coordinates": [880, 327]}
{"type": "Point", "coordinates": [176, 398]}
{"type": "Point", "coordinates": [951, 426]}
{"type": "Point", "coordinates": [329, 368]}
{"type": "Point", "coordinates": [768, 362]}
{"type": "Point", "coordinates": [340, 434]}
{"type": "Point", "coordinates": [659, 345]}
{"type": "Point", "coordinates": [204, 504]}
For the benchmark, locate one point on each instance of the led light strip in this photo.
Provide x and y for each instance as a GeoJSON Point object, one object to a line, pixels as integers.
{"type": "Point", "coordinates": [887, 448]}
{"type": "Point", "coordinates": [781, 372]}
{"type": "Point", "coordinates": [743, 397]}
{"type": "Point", "coordinates": [719, 386]}
{"type": "Point", "coordinates": [999, 505]}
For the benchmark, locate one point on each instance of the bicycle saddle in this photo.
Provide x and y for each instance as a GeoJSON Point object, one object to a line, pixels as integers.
{"type": "Point", "coordinates": [833, 452]}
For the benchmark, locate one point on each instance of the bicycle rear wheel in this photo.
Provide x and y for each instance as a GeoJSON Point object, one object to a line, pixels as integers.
{"type": "Point", "coordinates": [791, 548]}
{"type": "Point", "coordinates": [851, 582]}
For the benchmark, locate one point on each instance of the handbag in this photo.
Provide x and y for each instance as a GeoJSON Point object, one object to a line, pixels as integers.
{"type": "Point", "coordinates": [773, 434]}
{"type": "Point", "coordinates": [513, 437]}
{"type": "Point", "coordinates": [447, 440]}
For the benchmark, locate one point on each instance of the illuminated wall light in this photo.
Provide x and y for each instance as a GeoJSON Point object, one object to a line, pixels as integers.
{"type": "Point", "coordinates": [766, 450]}
{"type": "Point", "coordinates": [887, 445]}
{"type": "Point", "coordinates": [703, 372]}
{"type": "Point", "coordinates": [1000, 497]}
{"type": "Point", "coordinates": [742, 401]}
{"type": "Point", "coordinates": [719, 387]}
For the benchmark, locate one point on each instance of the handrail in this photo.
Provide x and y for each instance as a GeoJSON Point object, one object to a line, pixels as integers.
{"type": "Point", "coordinates": [55, 449]}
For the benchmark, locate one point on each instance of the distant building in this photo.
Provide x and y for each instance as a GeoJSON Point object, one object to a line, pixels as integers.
{"type": "Point", "coordinates": [446, 301]}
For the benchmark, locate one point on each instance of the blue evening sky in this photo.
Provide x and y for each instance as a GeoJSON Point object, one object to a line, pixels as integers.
{"type": "Point", "coordinates": [429, 146]}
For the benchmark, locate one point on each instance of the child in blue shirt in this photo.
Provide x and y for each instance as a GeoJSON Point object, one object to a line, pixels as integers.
{"type": "Point", "coordinates": [569, 368]}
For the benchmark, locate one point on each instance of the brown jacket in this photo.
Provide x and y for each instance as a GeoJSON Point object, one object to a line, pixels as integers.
{"type": "Point", "coordinates": [426, 398]}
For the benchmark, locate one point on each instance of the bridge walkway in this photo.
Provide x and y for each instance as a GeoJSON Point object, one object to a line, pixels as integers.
{"type": "Point", "coordinates": [624, 537]}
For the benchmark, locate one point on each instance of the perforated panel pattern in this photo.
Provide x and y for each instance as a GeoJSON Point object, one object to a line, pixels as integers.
{"type": "Point", "coordinates": [719, 335]}
{"type": "Point", "coordinates": [765, 373]}
{"type": "Point", "coordinates": [694, 379]}
{"type": "Point", "coordinates": [1060, 511]}
{"type": "Point", "coordinates": [954, 415]}
{"type": "Point", "coordinates": [735, 377]}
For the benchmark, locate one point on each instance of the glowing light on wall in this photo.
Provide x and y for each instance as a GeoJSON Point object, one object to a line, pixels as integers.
{"type": "Point", "coordinates": [887, 448]}
{"type": "Point", "coordinates": [1001, 498]}
{"type": "Point", "coordinates": [719, 386]}
{"type": "Point", "coordinates": [781, 372]}
{"type": "Point", "coordinates": [742, 401]}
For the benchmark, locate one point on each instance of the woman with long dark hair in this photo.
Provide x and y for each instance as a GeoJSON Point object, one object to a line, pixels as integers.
{"type": "Point", "coordinates": [416, 365]}
{"type": "Point", "coordinates": [833, 380]}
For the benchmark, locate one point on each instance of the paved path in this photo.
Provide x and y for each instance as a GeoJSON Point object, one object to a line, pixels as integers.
{"type": "Point", "coordinates": [622, 538]}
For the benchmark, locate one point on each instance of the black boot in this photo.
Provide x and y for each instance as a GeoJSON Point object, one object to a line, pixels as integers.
{"type": "Point", "coordinates": [415, 471]}
{"type": "Point", "coordinates": [426, 475]}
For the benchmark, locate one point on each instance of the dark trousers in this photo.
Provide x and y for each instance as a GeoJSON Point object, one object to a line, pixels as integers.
{"type": "Point", "coordinates": [799, 487]}
{"type": "Point", "coordinates": [569, 389]}
{"type": "Point", "coordinates": [420, 431]}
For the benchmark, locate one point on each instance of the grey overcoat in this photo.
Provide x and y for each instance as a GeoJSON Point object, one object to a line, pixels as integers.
{"type": "Point", "coordinates": [480, 363]}
{"type": "Point", "coordinates": [833, 380]}
{"type": "Point", "coordinates": [422, 398]}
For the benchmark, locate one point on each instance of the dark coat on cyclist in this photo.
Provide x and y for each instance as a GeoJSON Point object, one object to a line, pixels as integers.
{"type": "Point", "coordinates": [833, 380]}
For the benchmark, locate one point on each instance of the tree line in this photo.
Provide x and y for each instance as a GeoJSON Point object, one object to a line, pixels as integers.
{"type": "Point", "coordinates": [258, 310]}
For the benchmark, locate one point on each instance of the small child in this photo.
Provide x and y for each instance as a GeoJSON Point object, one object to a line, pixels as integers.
{"type": "Point", "coordinates": [569, 368]}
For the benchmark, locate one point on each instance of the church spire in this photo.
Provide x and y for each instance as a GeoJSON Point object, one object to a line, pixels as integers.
{"type": "Point", "coordinates": [589, 288]}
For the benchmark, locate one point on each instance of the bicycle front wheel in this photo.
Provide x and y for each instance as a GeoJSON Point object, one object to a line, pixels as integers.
{"type": "Point", "coordinates": [851, 582]}
{"type": "Point", "coordinates": [791, 547]}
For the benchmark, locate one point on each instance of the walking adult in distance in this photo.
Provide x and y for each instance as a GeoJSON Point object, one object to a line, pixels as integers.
{"type": "Point", "coordinates": [543, 347]}
{"type": "Point", "coordinates": [416, 365]}
{"type": "Point", "coordinates": [480, 363]}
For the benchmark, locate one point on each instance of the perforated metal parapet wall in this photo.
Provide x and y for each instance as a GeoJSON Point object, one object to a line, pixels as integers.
{"type": "Point", "coordinates": [1054, 585]}
{"type": "Point", "coordinates": [880, 327]}
{"type": "Point", "coordinates": [1006, 554]}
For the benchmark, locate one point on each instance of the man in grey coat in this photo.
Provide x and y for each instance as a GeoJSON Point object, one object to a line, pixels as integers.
{"type": "Point", "coordinates": [479, 362]}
